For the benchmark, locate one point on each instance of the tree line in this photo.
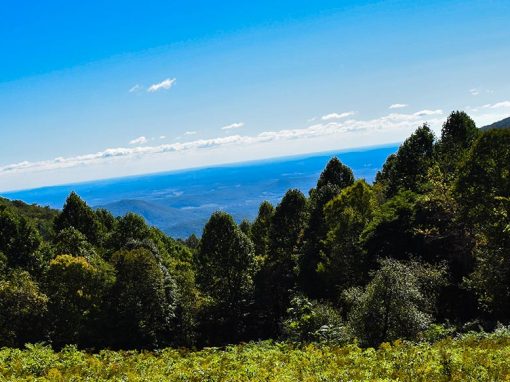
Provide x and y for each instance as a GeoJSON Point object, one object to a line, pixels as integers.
{"type": "Point", "coordinates": [422, 252]}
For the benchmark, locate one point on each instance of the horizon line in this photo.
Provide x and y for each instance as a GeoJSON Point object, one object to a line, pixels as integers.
{"type": "Point", "coordinates": [218, 165]}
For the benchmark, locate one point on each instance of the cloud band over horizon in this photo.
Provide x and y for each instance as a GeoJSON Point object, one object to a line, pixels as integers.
{"type": "Point", "coordinates": [389, 128]}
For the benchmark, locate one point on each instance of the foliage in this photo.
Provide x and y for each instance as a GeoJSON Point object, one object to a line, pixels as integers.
{"type": "Point", "coordinates": [23, 309]}
{"type": "Point", "coordinates": [76, 287]}
{"type": "Point", "coordinates": [225, 266]}
{"type": "Point", "coordinates": [19, 241]}
{"type": "Point", "coordinates": [397, 303]}
{"type": "Point", "coordinates": [260, 230]}
{"type": "Point", "coordinates": [42, 217]}
{"type": "Point", "coordinates": [484, 181]}
{"type": "Point", "coordinates": [130, 227]}
{"type": "Point", "coordinates": [471, 358]}
{"type": "Point", "coordinates": [73, 242]}
{"type": "Point", "coordinates": [407, 169]}
{"type": "Point", "coordinates": [76, 213]}
{"type": "Point", "coordinates": [457, 135]}
{"type": "Point", "coordinates": [311, 321]}
{"type": "Point", "coordinates": [142, 302]}
{"type": "Point", "coordinates": [277, 276]}
{"type": "Point", "coordinates": [420, 254]}
{"type": "Point", "coordinates": [336, 174]}
{"type": "Point", "coordinates": [344, 263]}
{"type": "Point", "coordinates": [314, 238]}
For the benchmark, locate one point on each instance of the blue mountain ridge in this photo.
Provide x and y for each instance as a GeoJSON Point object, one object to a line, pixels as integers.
{"type": "Point", "coordinates": [180, 202]}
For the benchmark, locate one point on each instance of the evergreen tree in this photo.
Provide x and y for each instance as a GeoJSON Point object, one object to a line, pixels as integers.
{"type": "Point", "coordinates": [344, 262]}
{"type": "Point", "coordinates": [260, 230]}
{"type": "Point", "coordinates": [407, 170]}
{"type": "Point", "coordinates": [225, 264]}
{"type": "Point", "coordinates": [314, 241]}
{"type": "Point", "coordinates": [457, 135]}
{"type": "Point", "coordinates": [336, 174]}
{"type": "Point", "coordinates": [77, 214]}
{"type": "Point", "coordinates": [277, 277]}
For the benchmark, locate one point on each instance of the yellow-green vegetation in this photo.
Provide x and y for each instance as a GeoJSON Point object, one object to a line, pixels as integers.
{"type": "Point", "coordinates": [471, 358]}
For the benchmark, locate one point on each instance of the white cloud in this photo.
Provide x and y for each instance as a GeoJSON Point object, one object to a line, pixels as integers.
{"type": "Point", "coordinates": [138, 141]}
{"type": "Point", "coordinates": [162, 137]}
{"type": "Point", "coordinates": [163, 85]}
{"type": "Point", "coordinates": [474, 91]}
{"type": "Point", "coordinates": [498, 105]}
{"type": "Point", "coordinates": [332, 116]}
{"type": "Point", "coordinates": [427, 112]}
{"type": "Point", "coordinates": [190, 133]}
{"type": "Point", "coordinates": [236, 125]}
{"type": "Point", "coordinates": [398, 106]}
{"type": "Point", "coordinates": [393, 126]}
{"type": "Point", "coordinates": [135, 88]}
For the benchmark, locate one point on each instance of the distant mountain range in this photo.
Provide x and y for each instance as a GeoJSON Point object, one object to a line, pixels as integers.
{"type": "Point", "coordinates": [503, 124]}
{"type": "Point", "coordinates": [180, 202]}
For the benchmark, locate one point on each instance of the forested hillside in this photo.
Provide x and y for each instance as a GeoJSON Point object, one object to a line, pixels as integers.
{"type": "Point", "coordinates": [421, 253]}
{"type": "Point", "coordinates": [503, 124]}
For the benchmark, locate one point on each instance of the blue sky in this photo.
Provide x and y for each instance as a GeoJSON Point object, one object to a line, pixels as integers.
{"type": "Point", "coordinates": [99, 89]}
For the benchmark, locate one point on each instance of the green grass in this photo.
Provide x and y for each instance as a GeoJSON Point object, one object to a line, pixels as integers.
{"type": "Point", "coordinates": [472, 358]}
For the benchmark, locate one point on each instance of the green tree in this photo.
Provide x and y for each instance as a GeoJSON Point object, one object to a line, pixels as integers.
{"type": "Point", "coordinates": [398, 303]}
{"type": "Point", "coordinates": [77, 288]}
{"type": "Point", "coordinates": [131, 227]}
{"type": "Point", "coordinates": [245, 227]}
{"type": "Point", "coordinates": [20, 241]}
{"type": "Point", "coordinates": [76, 213]}
{"type": "Point", "coordinates": [390, 233]}
{"type": "Point", "coordinates": [178, 259]}
{"type": "Point", "coordinates": [23, 309]}
{"type": "Point", "coordinates": [457, 135]}
{"type": "Point", "coordinates": [106, 219]}
{"type": "Point", "coordinates": [70, 241]}
{"type": "Point", "coordinates": [310, 321]}
{"type": "Point", "coordinates": [277, 277]}
{"type": "Point", "coordinates": [344, 263]}
{"type": "Point", "coordinates": [483, 191]}
{"type": "Point", "coordinates": [225, 264]}
{"type": "Point", "coordinates": [408, 168]}
{"type": "Point", "coordinates": [314, 240]}
{"type": "Point", "coordinates": [336, 174]}
{"type": "Point", "coordinates": [142, 302]}
{"type": "Point", "coordinates": [260, 230]}
{"type": "Point", "coordinates": [192, 242]}
{"type": "Point", "coordinates": [483, 183]}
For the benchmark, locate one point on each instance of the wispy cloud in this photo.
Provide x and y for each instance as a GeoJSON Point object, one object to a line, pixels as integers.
{"type": "Point", "coordinates": [333, 116]}
{"type": "Point", "coordinates": [398, 106]}
{"type": "Point", "coordinates": [138, 141]}
{"type": "Point", "coordinates": [190, 133]}
{"type": "Point", "coordinates": [163, 85]}
{"type": "Point", "coordinates": [497, 105]}
{"type": "Point", "coordinates": [135, 88]}
{"type": "Point", "coordinates": [426, 112]}
{"type": "Point", "coordinates": [162, 137]}
{"type": "Point", "coordinates": [398, 123]}
{"type": "Point", "coordinates": [236, 125]}
{"type": "Point", "coordinates": [474, 91]}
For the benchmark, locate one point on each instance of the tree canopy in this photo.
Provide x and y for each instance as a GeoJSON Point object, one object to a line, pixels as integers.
{"type": "Point", "coordinates": [426, 244]}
